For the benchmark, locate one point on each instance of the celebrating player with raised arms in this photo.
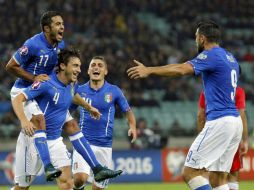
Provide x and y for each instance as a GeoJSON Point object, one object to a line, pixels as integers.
{"type": "Point", "coordinates": [214, 148]}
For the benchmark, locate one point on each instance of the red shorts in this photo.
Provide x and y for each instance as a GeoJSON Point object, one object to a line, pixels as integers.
{"type": "Point", "coordinates": [237, 162]}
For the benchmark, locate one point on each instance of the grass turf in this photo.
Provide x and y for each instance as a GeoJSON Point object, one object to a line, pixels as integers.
{"type": "Point", "coordinates": [247, 185]}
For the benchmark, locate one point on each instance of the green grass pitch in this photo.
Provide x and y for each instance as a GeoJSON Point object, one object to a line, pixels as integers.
{"type": "Point", "coordinates": [247, 185]}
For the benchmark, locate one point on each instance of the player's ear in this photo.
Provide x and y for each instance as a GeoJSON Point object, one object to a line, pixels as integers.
{"type": "Point", "coordinates": [62, 66]}
{"type": "Point", "coordinates": [106, 71]}
{"type": "Point", "coordinates": [46, 28]}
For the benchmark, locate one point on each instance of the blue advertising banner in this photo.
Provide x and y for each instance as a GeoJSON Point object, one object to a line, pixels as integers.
{"type": "Point", "coordinates": [138, 166]}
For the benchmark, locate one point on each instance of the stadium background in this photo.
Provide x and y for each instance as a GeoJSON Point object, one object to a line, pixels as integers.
{"type": "Point", "coordinates": [156, 32]}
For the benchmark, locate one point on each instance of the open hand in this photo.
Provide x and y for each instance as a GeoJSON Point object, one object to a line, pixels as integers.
{"type": "Point", "coordinates": [41, 78]}
{"type": "Point", "coordinates": [139, 71]}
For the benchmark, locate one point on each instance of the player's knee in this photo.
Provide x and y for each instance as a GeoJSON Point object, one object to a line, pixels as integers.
{"type": "Point", "coordinates": [232, 177]}
{"type": "Point", "coordinates": [39, 122]}
{"type": "Point", "coordinates": [79, 180]}
{"type": "Point", "coordinates": [71, 127]}
{"type": "Point", "coordinates": [69, 183]}
{"type": "Point", "coordinates": [66, 184]}
{"type": "Point", "coordinates": [186, 174]}
{"type": "Point", "coordinates": [218, 178]}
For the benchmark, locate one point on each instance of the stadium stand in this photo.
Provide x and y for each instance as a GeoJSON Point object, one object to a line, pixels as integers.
{"type": "Point", "coordinates": [153, 32]}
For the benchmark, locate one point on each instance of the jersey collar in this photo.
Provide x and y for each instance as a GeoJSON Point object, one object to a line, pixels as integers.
{"type": "Point", "coordinates": [54, 76]}
{"type": "Point", "coordinates": [44, 39]}
{"type": "Point", "coordinates": [93, 90]}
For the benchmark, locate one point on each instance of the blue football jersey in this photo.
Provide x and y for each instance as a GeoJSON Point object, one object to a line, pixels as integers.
{"type": "Point", "coordinates": [100, 132]}
{"type": "Point", "coordinates": [37, 56]}
{"type": "Point", "coordinates": [54, 99]}
{"type": "Point", "coordinates": [220, 72]}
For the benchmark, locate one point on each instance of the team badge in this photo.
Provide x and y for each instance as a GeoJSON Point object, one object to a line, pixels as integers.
{"type": "Point", "coordinates": [108, 97]}
{"type": "Point", "coordinates": [23, 50]}
{"type": "Point", "coordinates": [230, 58]}
{"type": "Point", "coordinates": [36, 85]}
{"type": "Point", "coordinates": [202, 56]}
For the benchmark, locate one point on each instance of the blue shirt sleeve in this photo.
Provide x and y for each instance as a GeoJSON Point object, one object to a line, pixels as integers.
{"type": "Point", "coordinates": [121, 101]}
{"type": "Point", "coordinates": [201, 63]}
{"type": "Point", "coordinates": [35, 90]}
{"type": "Point", "coordinates": [24, 54]}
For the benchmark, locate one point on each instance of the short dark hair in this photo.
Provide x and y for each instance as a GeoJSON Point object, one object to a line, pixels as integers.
{"type": "Point", "coordinates": [46, 18]}
{"type": "Point", "coordinates": [210, 30]}
{"type": "Point", "coordinates": [101, 58]}
{"type": "Point", "coordinates": [65, 55]}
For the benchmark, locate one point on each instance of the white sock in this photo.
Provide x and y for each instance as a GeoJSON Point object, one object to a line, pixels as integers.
{"type": "Point", "coordinates": [197, 182]}
{"type": "Point", "coordinates": [233, 185]}
{"type": "Point", "coordinates": [222, 187]}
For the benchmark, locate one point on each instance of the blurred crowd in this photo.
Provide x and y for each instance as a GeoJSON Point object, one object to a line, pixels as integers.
{"type": "Point", "coordinates": [116, 30]}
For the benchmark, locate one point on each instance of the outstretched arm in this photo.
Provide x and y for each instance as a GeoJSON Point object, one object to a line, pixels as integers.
{"type": "Point", "coordinates": [17, 105]}
{"type": "Point", "coordinates": [78, 100]}
{"type": "Point", "coordinates": [132, 123]}
{"type": "Point", "coordinates": [171, 70]}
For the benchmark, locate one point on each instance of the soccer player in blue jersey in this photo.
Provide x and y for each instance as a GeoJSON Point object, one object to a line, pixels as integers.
{"type": "Point", "coordinates": [99, 133]}
{"type": "Point", "coordinates": [214, 148]}
{"type": "Point", "coordinates": [34, 61]}
{"type": "Point", "coordinates": [54, 98]}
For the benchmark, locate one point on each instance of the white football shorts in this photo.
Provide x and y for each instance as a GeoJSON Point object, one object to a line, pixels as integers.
{"type": "Point", "coordinates": [104, 157]}
{"type": "Point", "coordinates": [215, 146]}
{"type": "Point", "coordinates": [28, 163]}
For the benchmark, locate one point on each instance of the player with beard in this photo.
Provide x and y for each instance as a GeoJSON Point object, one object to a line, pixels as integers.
{"type": "Point", "coordinates": [214, 148]}
{"type": "Point", "coordinates": [33, 62]}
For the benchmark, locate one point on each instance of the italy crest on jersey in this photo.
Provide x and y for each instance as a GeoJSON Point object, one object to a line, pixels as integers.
{"type": "Point", "coordinates": [108, 97]}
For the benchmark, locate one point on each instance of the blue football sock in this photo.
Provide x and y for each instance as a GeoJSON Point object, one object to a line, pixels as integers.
{"type": "Point", "coordinates": [204, 187]}
{"type": "Point", "coordinates": [82, 147]}
{"type": "Point", "coordinates": [41, 145]}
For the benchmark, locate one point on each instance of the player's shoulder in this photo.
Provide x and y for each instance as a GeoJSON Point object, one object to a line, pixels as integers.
{"type": "Point", "coordinates": [83, 86]}
{"type": "Point", "coordinates": [111, 86]}
{"type": "Point", "coordinates": [61, 45]}
{"type": "Point", "coordinates": [33, 42]}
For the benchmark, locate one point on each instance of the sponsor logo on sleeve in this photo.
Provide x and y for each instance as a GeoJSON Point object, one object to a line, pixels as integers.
{"type": "Point", "coordinates": [202, 56]}
{"type": "Point", "coordinates": [36, 85]}
{"type": "Point", "coordinates": [23, 50]}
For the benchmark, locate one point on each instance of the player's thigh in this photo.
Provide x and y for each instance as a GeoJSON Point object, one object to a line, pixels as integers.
{"type": "Point", "coordinates": [30, 107]}
{"type": "Point", "coordinates": [79, 166]}
{"type": "Point", "coordinates": [27, 161]}
{"type": "Point", "coordinates": [211, 143]}
{"type": "Point", "coordinates": [59, 155]}
{"type": "Point", "coordinates": [104, 156]}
